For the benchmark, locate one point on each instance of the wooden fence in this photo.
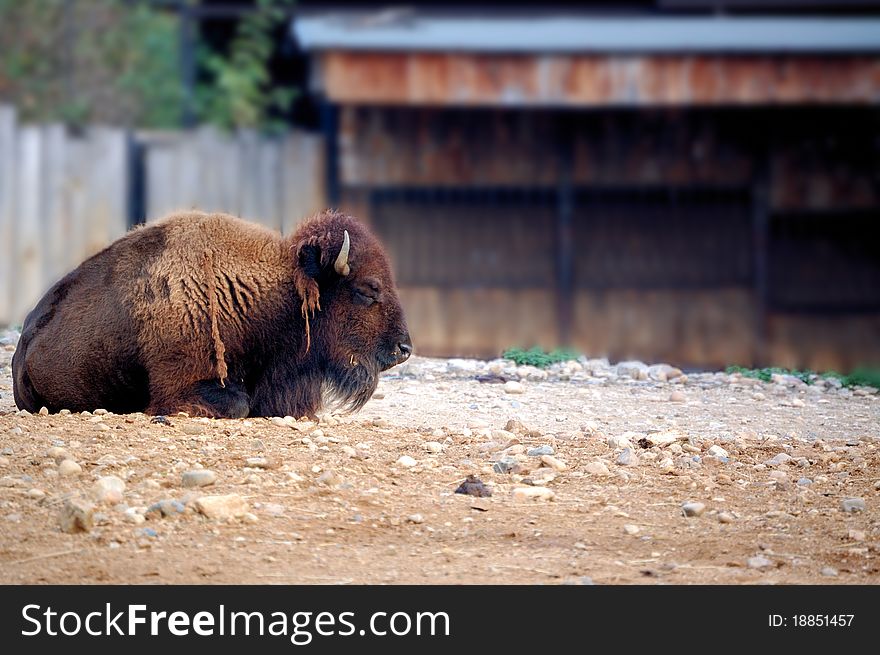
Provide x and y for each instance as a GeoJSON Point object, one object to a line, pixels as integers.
{"type": "Point", "coordinates": [65, 196]}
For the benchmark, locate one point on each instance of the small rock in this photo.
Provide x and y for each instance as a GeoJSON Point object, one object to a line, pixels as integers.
{"type": "Point", "coordinates": [133, 516]}
{"type": "Point", "coordinates": [857, 535]}
{"type": "Point", "coordinates": [829, 572]}
{"type": "Point", "coordinates": [433, 446]}
{"type": "Point", "coordinates": [677, 397]}
{"type": "Point", "coordinates": [693, 509]}
{"type": "Point", "coordinates": [759, 562]}
{"type": "Point", "coordinates": [261, 462]}
{"type": "Point", "coordinates": [540, 451]}
{"type": "Point", "coordinates": [108, 489]}
{"type": "Point", "coordinates": [44, 411]}
{"type": "Point", "coordinates": [629, 528]}
{"type": "Point", "coordinates": [513, 387]}
{"type": "Point", "coordinates": [515, 426]}
{"type": "Point", "coordinates": [506, 465]}
{"type": "Point", "coordinates": [852, 505]}
{"type": "Point", "coordinates": [161, 420]}
{"type": "Point", "coordinates": [68, 467]}
{"type": "Point", "coordinates": [406, 461]}
{"type": "Point", "coordinates": [76, 516]}
{"type": "Point", "coordinates": [530, 493]}
{"type": "Point", "coordinates": [597, 468]}
{"type": "Point", "coordinates": [164, 508]}
{"type": "Point", "coordinates": [552, 462]}
{"type": "Point", "coordinates": [198, 478]}
{"type": "Point", "coordinates": [193, 428]}
{"type": "Point", "coordinates": [36, 494]}
{"type": "Point", "coordinates": [58, 454]}
{"type": "Point", "coordinates": [628, 458]}
{"type": "Point", "coordinates": [618, 442]}
{"type": "Point", "coordinates": [415, 518]}
{"type": "Point", "coordinates": [781, 458]}
{"type": "Point", "coordinates": [717, 451]}
{"type": "Point", "coordinates": [473, 486]}
{"type": "Point", "coordinates": [726, 517]}
{"type": "Point", "coordinates": [222, 507]}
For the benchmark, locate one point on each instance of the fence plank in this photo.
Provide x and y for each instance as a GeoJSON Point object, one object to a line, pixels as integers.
{"type": "Point", "coordinates": [54, 224]}
{"type": "Point", "coordinates": [28, 249]}
{"type": "Point", "coordinates": [8, 179]}
{"type": "Point", "coordinates": [302, 178]}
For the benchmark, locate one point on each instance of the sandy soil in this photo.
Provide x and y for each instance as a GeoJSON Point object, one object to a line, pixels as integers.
{"type": "Point", "coordinates": [334, 503]}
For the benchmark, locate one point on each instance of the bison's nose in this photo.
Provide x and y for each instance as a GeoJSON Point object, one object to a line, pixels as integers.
{"type": "Point", "coordinates": [405, 350]}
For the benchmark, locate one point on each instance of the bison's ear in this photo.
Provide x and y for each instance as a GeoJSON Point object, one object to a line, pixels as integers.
{"type": "Point", "coordinates": [309, 260]}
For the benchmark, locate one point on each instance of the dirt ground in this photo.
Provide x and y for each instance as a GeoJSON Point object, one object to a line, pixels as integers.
{"type": "Point", "coordinates": [334, 503]}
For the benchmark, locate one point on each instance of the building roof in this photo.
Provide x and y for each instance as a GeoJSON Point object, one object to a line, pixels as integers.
{"type": "Point", "coordinates": [407, 30]}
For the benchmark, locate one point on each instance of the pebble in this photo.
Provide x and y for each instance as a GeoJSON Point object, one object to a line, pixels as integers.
{"type": "Point", "coordinates": [540, 451]}
{"type": "Point", "coordinates": [677, 397]}
{"type": "Point", "coordinates": [198, 478]}
{"type": "Point", "coordinates": [851, 505]}
{"type": "Point", "coordinates": [778, 460]}
{"type": "Point", "coordinates": [222, 507]}
{"type": "Point", "coordinates": [164, 508]}
{"type": "Point", "coordinates": [58, 454]}
{"type": "Point", "coordinates": [36, 494]}
{"type": "Point", "coordinates": [829, 572]}
{"type": "Point", "coordinates": [533, 493]}
{"type": "Point", "coordinates": [629, 528]}
{"type": "Point", "coordinates": [759, 562]}
{"type": "Point", "coordinates": [726, 517]}
{"type": "Point", "coordinates": [856, 535]}
{"type": "Point", "coordinates": [133, 516]}
{"type": "Point", "coordinates": [693, 509]}
{"type": "Point", "coordinates": [44, 411]}
{"type": "Point", "coordinates": [717, 451]}
{"type": "Point", "coordinates": [348, 450]}
{"type": "Point", "coordinates": [473, 486]}
{"type": "Point", "coordinates": [193, 428]}
{"type": "Point", "coordinates": [108, 489]}
{"type": "Point", "coordinates": [553, 463]}
{"type": "Point", "coordinates": [618, 442]}
{"type": "Point", "coordinates": [76, 516]}
{"type": "Point", "coordinates": [628, 458]}
{"type": "Point", "coordinates": [69, 467]}
{"type": "Point", "coordinates": [513, 387]}
{"type": "Point", "coordinates": [433, 446]}
{"type": "Point", "coordinates": [406, 461]}
{"type": "Point", "coordinates": [415, 518]}
{"type": "Point", "coordinates": [506, 465]}
{"type": "Point", "coordinates": [597, 468]}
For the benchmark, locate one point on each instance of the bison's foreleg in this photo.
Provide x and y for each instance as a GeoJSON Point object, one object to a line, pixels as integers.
{"type": "Point", "coordinates": [206, 398]}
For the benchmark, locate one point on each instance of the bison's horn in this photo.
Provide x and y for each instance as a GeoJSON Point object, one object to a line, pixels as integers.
{"type": "Point", "coordinates": [341, 264]}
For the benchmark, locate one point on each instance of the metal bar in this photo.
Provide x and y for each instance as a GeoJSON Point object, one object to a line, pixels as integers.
{"type": "Point", "coordinates": [760, 246]}
{"type": "Point", "coordinates": [330, 129]}
{"type": "Point", "coordinates": [187, 62]}
{"type": "Point", "coordinates": [565, 237]}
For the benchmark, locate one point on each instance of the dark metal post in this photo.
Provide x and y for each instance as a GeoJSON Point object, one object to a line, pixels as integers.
{"type": "Point", "coordinates": [187, 62]}
{"type": "Point", "coordinates": [564, 241]}
{"type": "Point", "coordinates": [330, 130]}
{"type": "Point", "coordinates": [760, 246]}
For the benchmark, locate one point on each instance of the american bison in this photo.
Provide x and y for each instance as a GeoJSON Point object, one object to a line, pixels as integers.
{"type": "Point", "coordinates": [215, 316]}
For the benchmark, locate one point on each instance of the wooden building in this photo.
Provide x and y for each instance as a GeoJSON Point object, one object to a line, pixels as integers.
{"type": "Point", "coordinates": [698, 189]}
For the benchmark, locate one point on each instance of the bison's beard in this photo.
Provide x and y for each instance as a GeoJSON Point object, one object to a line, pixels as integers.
{"type": "Point", "coordinates": [348, 387]}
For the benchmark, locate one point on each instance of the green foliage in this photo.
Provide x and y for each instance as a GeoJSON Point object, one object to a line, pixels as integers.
{"type": "Point", "coordinates": [104, 61]}
{"type": "Point", "coordinates": [238, 92]}
{"type": "Point", "coordinates": [868, 377]}
{"type": "Point", "coordinates": [538, 357]}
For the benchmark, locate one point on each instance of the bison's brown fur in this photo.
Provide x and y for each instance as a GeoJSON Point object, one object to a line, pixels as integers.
{"type": "Point", "coordinates": [215, 316]}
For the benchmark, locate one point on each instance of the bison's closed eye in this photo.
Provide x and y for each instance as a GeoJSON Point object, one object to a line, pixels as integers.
{"type": "Point", "coordinates": [365, 298]}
